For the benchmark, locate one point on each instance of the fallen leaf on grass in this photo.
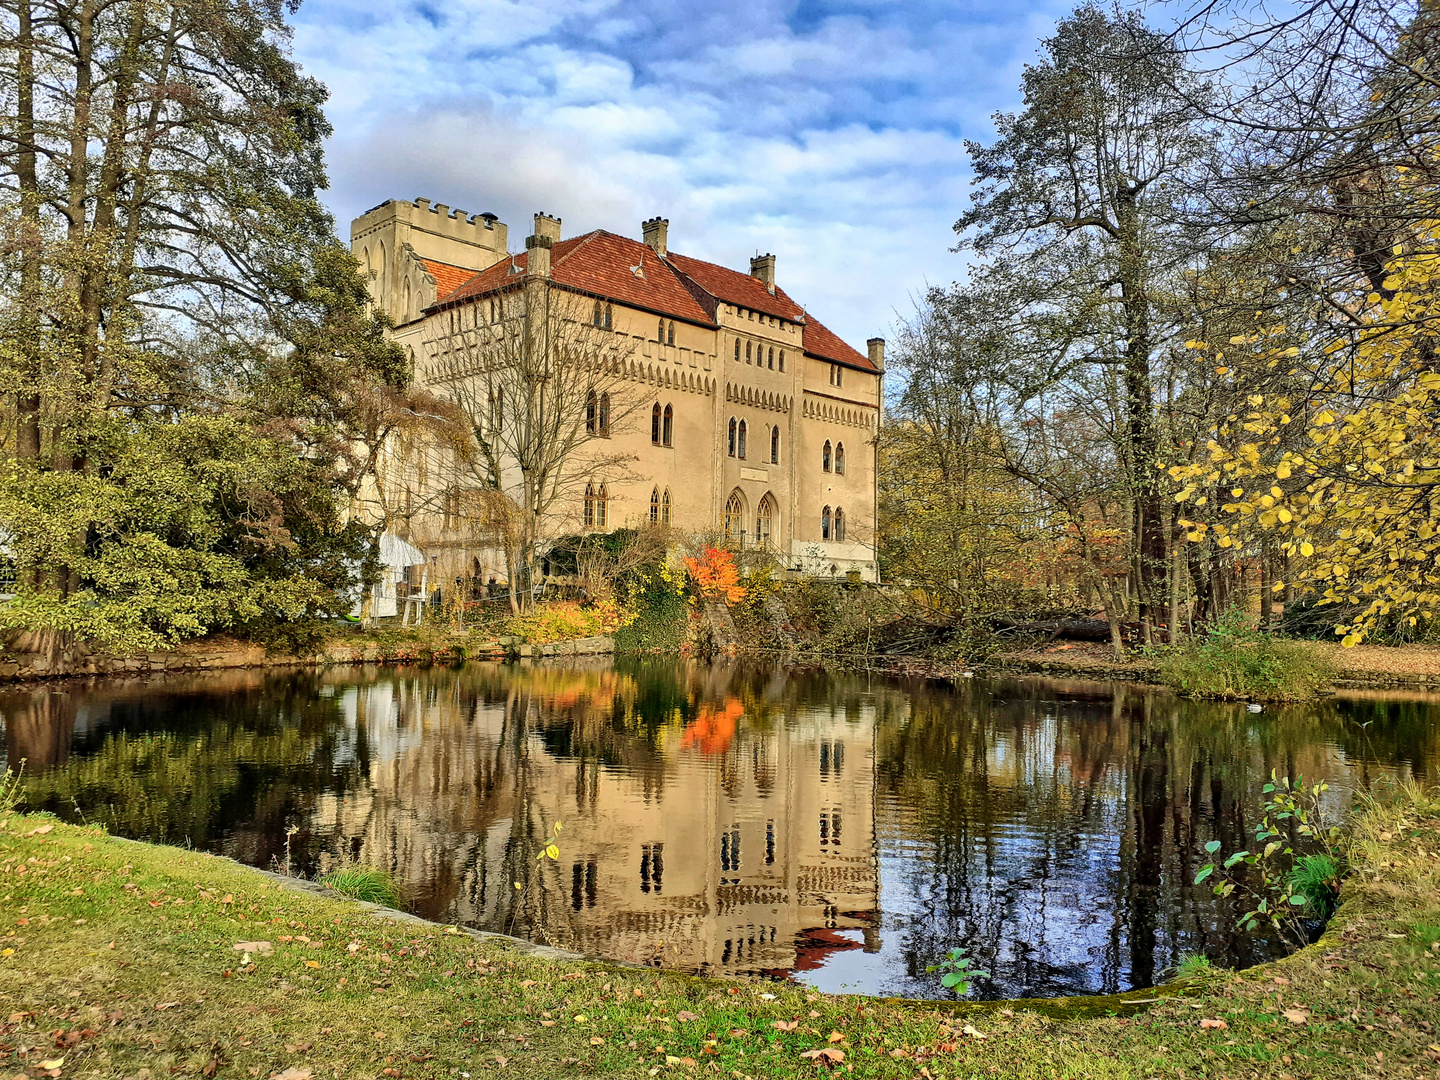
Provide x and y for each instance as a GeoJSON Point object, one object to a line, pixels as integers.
{"type": "Point", "coordinates": [501, 1061]}
{"type": "Point", "coordinates": [292, 1073]}
{"type": "Point", "coordinates": [825, 1055]}
{"type": "Point", "coordinates": [547, 1023]}
{"type": "Point", "coordinates": [264, 948]}
{"type": "Point", "coordinates": [683, 1015]}
{"type": "Point", "coordinates": [53, 1063]}
{"type": "Point", "coordinates": [835, 1036]}
{"type": "Point", "coordinates": [972, 1032]}
{"type": "Point", "coordinates": [1296, 1016]}
{"type": "Point", "coordinates": [41, 830]}
{"type": "Point", "coordinates": [161, 1006]}
{"type": "Point", "coordinates": [312, 963]}
{"type": "Point", "coordinates": [785, 1025]}
{"type": "Point", "coordinates": [299, 1048]}
{"type": "Point", "coordinates": [211, 1068]}
{"type": "Point", "coordinates": [1218, 1025]}
{"type": "Point", "coordinates": [595, 1040]}
{"type": "Point", "coordinates": [1280, 980]}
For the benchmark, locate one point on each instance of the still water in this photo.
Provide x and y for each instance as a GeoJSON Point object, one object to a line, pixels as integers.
{"type": "Point", "coordinates": [840, 830]}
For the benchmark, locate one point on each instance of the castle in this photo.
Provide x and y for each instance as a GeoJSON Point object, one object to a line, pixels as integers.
{"type": "Point", "coordinates": [748, 418]}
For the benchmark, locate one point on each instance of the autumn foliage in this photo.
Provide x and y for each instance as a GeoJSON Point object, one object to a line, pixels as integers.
{"type": "Point", "coordinates": [716, 577]}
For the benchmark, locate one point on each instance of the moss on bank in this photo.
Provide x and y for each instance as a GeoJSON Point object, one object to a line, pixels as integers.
{"type": "Point", "coordinates": [119, 958]}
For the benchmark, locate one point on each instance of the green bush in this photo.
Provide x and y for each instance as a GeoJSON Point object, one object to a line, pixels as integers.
{"type": "Point", "coordinates": [661, 613]}
{"type": "Point", "coordinates": [1234, 660]}
{"type": "Point", "coordinates": [365, 883]}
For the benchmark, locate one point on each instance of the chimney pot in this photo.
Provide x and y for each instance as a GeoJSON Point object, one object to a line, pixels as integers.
{"type": "Point", "coordinates": [537, 257]}
{"type": "Point", "coordinates": [763, 268]}
{"type": "Point", "coordinates": [876, 347]}
{"type": "Point", "coordinates": [656, 232]}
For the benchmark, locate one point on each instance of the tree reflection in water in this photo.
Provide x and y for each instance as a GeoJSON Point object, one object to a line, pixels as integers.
{"type": "Point", "coordinates": [728, 818]}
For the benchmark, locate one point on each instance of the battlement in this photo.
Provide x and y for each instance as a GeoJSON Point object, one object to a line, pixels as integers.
{"type": "Point", "coordinates": [434, 230]}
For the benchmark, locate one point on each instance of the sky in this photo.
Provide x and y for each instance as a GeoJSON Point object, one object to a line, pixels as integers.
{"type": "Point", "coordinates": [830, 134]}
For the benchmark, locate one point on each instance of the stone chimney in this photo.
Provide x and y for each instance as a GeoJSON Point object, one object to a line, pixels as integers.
{"type": "Point", "coordinates": [546, 226]}
{"type": "Point", "coordinates": [537, 254]}
{"type": "Point", "coordinates": [876, 347]}
{"type": "Point", "coordinates": [763, 267]}
{"type": "Point", "coordinates": [656, 232]}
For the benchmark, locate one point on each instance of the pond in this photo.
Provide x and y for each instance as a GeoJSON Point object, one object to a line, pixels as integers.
{"type": "Point", "coordinates": [840, 830]}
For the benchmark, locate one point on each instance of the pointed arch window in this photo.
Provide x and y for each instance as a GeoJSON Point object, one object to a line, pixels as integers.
{"type": "Point", "coordinates": [655, 424]}
{"type": "Point", "coordinates": [609, 317]}
{"type": "Point", "coordinates": [667, 427]}
{"type": "Point", "coordinates": [660, 333]}
{"type": "Point", "coordinates": [748, 346]}
{"type": "Point", "coordinates": [592, 413]}
{"type": "Point", "coordinates": [840, 459]}
{"type": "Point", "coordinates": [838, 528]}
{"type": "Point", "coordinates": [740, 445]}
{"type": "Point", "coordinates": [665, 508]}
{"type": "Point", "coordinates": [771, 362]}
{"type": "Point", "coordinates": [589, 506]}
{"type": "Point", "coordinates": [670, 335]}
{"type": "Point", "coordinates": [775, 445]}
{"type": "Point", "coordinates": [602, 507]}
{"type": "Point", "coordinates": [825, 524]}
{"type": "Point", "coordinates": [492, 311]}
{"type": "Point", "coordinates": [737, 350]}
{"type": "Point", "coordinates": [782, 359]}
{"type": "Point", "coordinates": [735, 520]}
{"type": "Point", "coordinates": [825, 456]}
{"type": "Point", "coordinates": [603, 419]}
{"type": "Point", "coordinates": [655, 506]}
{"type": "Point", "coordinates": [596, 316]}
{"type": "Point", "coordinates": [765, 522]}
{"type": "Point", "coordinates": [732, 437]}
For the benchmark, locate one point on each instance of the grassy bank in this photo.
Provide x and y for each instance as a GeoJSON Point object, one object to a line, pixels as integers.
{"type": "Point", "coordinates": [119, 958]}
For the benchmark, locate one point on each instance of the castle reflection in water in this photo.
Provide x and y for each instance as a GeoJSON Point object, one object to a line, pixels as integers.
{"type": "Point", "coordinates": [728, 819]}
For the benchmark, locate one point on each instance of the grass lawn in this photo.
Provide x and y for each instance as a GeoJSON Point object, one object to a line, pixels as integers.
{"type": "Point", "coordinates": [120, 960]}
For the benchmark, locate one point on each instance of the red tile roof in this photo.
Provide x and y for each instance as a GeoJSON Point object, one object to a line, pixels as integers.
{"type": "Point", "coordinates": [822, 343]}
{"type": "Point", "coordinates": [736, 288]}
{"type": "Point", "coordinates": [599, 264]}
{"type": "Point", "coordinates": [448, 278]}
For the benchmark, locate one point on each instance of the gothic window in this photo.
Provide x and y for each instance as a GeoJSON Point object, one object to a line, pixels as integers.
{"type": "Point", "coordinates": [775, 445]}
{"type": "Point", "coordinates": [771, 363]}
{"type": "Point", "coordinates": [764, 522]}
{"type": "Point", "coordinates": [838, 529]}
{"type": "Point", "coordinates": [602, 507]}
{"type": "Point", "coordinates": [405, 308]}
{"type": "Point", "coordinates": [380, 259]}
{"type": "Point", "coordinates": [732, 437]}
{"type": "Point", "coordinates": [670, 335]}
{"type": "Point", "coordinates": [665, 508]}
{"type": "Point", "coordinates": [825, 524]}
{"type": "Point", "coordinates": [782, 359]}
{"type": "Point", "coordinates": [365, 262]}
{"type": "Point", "coordinates": [748, 346]}
{"type": "Point", "coordinates": [840, 459]}
{"type": "Point", "coordinates": [589, 505]}
{"type": "Point", "coordinates": [497, 409]}
{"type": "Point", "coordinates": [667, 429]}
{"type": "Point", "coordinates": [655, 424]}
{"type": "Point", "coordinates": [825, 456]}
{"type": "Point", "coordinates": [654, 506]}
{"type": "Point", "coordinates": [737, 350]}
{"type": "Point", "coordinates": [660, 333]}
{"type": "Point", "coordinates": [492, 311]}
{"type": "Point", "coordinates": [451, 508]}
{"type": "Point", "coordinates": [609, 317]}
{"type": "Point", "coordinates": [735, 520]}
{"type": "Point", "coordinates": [603, 420]}
{"type": "Point", "coordinates": [740, 445]}
{"type": "Point", "coordinates": [591, 414]}
{"type": "Point", "coordinates": [595, 316]}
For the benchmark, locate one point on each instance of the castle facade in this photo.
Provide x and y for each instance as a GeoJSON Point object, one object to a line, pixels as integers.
{"type": "Point", "coordinates": [747, 417]}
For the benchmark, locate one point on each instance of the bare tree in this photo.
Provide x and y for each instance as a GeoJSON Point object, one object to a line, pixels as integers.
{"type": "Point", "coordinates": [543, 389]}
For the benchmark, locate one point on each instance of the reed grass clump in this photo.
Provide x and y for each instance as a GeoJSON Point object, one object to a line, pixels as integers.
{"type": "Point", "coordinates": [365, 883]}
{"type": "Point", "coordinates": [1233, 660]}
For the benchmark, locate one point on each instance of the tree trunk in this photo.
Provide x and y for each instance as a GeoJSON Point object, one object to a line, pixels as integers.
{"type": "Point", "coordinates": [1267, 571]}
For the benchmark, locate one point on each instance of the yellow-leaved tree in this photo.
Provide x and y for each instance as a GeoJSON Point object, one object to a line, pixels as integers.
{"type": "Point", "coordinates": [1355, 500]}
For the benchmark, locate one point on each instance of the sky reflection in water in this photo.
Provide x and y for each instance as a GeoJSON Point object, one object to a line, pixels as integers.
{"type": "Point", "coordinates": [841, 830]}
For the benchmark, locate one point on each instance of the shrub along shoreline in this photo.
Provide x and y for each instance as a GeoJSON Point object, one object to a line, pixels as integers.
{"type": "Point", "coordinates": [118, 957]}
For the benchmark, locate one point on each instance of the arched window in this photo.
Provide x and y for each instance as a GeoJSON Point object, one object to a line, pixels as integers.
{"type": "Point", "coordinates": [609, 317]}
{"type": "Point", "coordinates": [589, 506]}
{"type": "Point", "coordinates": [365, 262]}
{"type": "Point", "coordinates": [771, 363]}
{"type": "Point", "coordinates": [654, 506]}
{"type": "Point", "coordinates": [604, 418]}
{"type": "Point", "coordinates": [765, 522]}
{"type": "Point", "coordinates": [602, 507]}
{"type": "Point", "coordinates": [670, 337]}
{"type": "Point", "coordinates": [405, 305]}
{"type": "Point", "coordinates": [380, 259]}
{"type": "Point", "coordinates": [595, 316]}
{"type": "Point", "coordinates": [732, 436]}
{"type": "Point", "coordinates": [748, 346]}
{"type": "Point", "coordinates": [741, 444]}
{"type": "Point", "coordinates": [825, 456]}
{"type": "Point", "coordinates": [497, 408]}
{"type": "Point", "coordinates": [737, 350]}
{"type": "Point", "coordinates": [840, 459]}
{"type": "Point", "coordinates": [592, 418]}
{"type": "Point", "coordinates": [839, 527]}
{"type": "Point", "coordinates": [735, 520]}
{"type": "Point", "coordinates": [660, 333]}
{"type": "Point", "coordinates": [655, 424]}
{"type": "Point", "coordinates": [782, 359]}
{"type": "Point", "coordinates": [665, 508]}
{"type": "Point", "coordinates": [775, 445]}
{"type": "Point", "coordinates": [668, 428]}
{"type": "Point", "coordinates": [825, 524]}
{"type": "Point", "coordinates": [492, 311]}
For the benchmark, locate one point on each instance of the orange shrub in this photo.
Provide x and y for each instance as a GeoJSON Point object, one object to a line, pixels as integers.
{"type": "Point", "coordinates": [716, 577]}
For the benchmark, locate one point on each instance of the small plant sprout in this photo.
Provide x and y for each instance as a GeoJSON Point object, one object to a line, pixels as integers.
{"type": "Point", "coordinates": [957, 972]}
